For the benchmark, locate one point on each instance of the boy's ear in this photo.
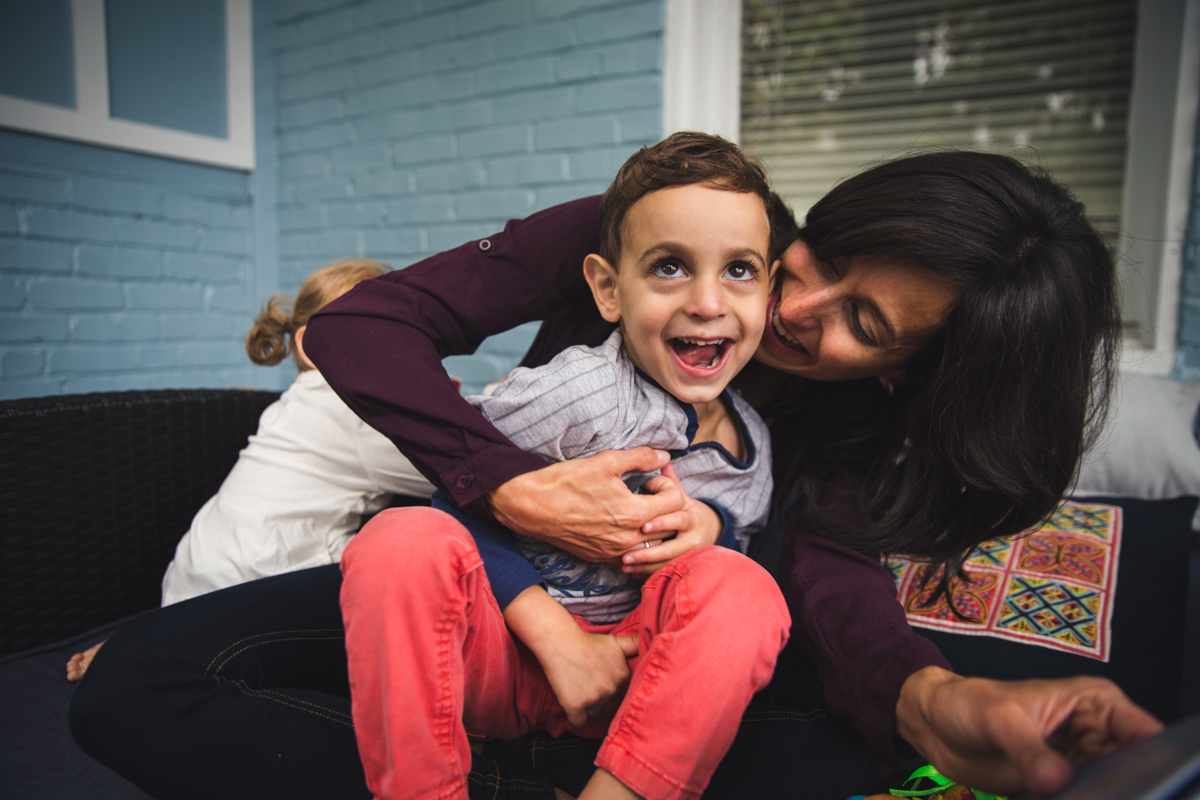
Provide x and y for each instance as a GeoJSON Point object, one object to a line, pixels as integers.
{"type": "Point", "coordinates": [602, 277]}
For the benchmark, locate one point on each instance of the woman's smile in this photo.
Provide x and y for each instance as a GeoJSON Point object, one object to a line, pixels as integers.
{"type": "Point", "coordinates": [858, 317]}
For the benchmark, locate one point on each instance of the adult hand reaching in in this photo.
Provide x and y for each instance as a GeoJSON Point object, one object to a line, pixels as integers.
{"type": "Point", "coordinates": [1002, 736]}
{"type": "Point", "coordinates": [582, 505]}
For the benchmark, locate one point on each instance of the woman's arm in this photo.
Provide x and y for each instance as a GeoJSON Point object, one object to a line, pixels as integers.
{"type": "Point", "coordinates": [848, 623]}
{"type": "Point", "coordinates": [889, 681]}
{"type": "Point", "coordinates": [381, 345]}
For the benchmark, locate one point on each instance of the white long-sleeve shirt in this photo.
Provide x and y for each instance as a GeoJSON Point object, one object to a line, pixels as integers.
{"type": "Point", "coordinates": [298, 492]}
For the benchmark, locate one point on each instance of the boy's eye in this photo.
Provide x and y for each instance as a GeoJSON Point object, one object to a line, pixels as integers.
{"type": "Point", "coordinates": [741, 271]}
{"type": "Point", "coordinates": [667, 269]}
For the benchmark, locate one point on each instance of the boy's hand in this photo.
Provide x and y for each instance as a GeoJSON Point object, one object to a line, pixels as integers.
{"type": "Point", "coordinates": [696, 525]}
{"type": "Point", "coordinates": [589, 674]}
{"type": "Point", "coordinates": [582, 506]}
{"type": "Point", "coordinates": [587, 671]}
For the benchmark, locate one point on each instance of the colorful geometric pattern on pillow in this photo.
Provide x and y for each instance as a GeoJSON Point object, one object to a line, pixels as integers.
{"type": "Point", "coordinates": [1054, 587]}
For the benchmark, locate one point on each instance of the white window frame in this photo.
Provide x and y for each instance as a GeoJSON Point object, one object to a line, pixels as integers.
{"type": "Point", "coordinates": [1158, 175]}
{"type": "Point", "coordinates": [703, 49]}
{"type": "Point", "coordinates": [90, 122]}
{"type": "Point", "coordinates": [703, 67]}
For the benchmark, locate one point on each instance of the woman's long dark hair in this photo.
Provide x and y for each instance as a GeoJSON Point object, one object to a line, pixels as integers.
{"type": "Point", "coordinates": [1002, 403]}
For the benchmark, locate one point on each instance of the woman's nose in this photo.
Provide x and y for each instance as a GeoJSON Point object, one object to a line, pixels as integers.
{"type": "Point", "coordinates": [805, 306]}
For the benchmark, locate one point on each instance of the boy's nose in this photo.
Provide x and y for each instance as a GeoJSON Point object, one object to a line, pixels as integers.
{"type": "Point", "coordinates": [705, 300]}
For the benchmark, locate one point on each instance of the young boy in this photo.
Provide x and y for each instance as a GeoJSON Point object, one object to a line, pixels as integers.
{"type": "Point", "coordinates": [684, 271]}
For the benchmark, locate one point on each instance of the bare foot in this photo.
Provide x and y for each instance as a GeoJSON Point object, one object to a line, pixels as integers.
{"type": "Point", "coordinates": [604, 786]}
{"type": "Point", "coordinates": [80, 662]}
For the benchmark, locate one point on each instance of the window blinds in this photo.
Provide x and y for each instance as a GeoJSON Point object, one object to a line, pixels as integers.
{"type": "Point", "coordinates": [829, 86]}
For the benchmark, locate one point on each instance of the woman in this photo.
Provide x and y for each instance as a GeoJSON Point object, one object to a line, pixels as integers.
{"type": "Point", "coordinates": [909, 433]}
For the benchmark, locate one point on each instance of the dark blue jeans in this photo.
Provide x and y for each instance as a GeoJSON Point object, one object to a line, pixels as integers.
{"type": "Point", "coordinates": [243, 693]}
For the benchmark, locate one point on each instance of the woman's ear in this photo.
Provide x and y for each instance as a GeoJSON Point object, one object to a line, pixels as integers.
{"type": "Point", "coordinates": [602, 277]}
{"type": "Point", "coordinates": [298, 349]}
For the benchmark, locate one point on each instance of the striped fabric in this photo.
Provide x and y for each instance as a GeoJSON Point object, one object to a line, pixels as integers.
{"type": "Point", "coordinates": [588, 400]}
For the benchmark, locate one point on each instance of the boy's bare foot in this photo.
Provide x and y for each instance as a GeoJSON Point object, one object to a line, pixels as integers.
{"type": "Point", "coordinates": [79, 663]}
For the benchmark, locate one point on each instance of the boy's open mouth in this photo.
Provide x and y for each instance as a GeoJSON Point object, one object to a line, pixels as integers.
{"type": "Point", "coordinates": [701, 353]}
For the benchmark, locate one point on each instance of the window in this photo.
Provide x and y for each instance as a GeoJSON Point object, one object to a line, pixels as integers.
{"type": "Point", "coordinates": [171, 78]}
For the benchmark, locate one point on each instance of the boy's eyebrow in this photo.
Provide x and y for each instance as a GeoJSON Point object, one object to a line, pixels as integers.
{"type": "Point", "coordinates": [747, 255]}
{"type": "Point", "coordinates": [672, 248]}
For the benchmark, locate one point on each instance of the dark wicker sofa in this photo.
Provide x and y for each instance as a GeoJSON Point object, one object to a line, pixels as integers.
{"type": "Point", "coordinates": [95, 492]}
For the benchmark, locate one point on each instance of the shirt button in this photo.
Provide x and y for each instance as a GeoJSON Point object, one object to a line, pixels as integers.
{"type": "Point", "coordinates": [464, 481]}
{"type": "Point", "coordinates": [485, 244]}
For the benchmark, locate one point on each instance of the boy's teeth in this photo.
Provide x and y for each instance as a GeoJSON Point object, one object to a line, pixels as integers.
{"type": "Point", "coordinates": [701, 353]}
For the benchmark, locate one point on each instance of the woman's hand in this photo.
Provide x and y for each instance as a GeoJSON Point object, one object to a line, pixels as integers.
{"type": "Point", "coordinates": [695, 525]}
{"type": "Point", "coordinates": [582, 506]}
{"type": "Point", "coordinates": [1002, 736]}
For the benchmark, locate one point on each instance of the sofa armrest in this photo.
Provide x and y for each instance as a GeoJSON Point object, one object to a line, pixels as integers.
{"type": "Point", "coordinates": [95, 492]}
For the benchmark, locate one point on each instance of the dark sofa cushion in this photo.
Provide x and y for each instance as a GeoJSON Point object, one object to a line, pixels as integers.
{"type": "Point", "coordinates": [38, 757]}
{"type": "Point", "coordinates": [1101, 589]}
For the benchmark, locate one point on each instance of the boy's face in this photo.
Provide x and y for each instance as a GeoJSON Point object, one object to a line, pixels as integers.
{"type": "Point", "coordinates": [692, 286]}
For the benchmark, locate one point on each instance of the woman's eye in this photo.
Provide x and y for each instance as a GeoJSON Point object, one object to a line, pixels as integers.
{"type": "Point", "coordinates": [856, 325]}
{"type": "Point", "coordinates": [741, 272]}
{"type": "Point", "coordinates": [667, 269]}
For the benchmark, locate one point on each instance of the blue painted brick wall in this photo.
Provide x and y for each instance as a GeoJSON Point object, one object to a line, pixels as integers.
{"type": "Point", "coordinates": [408, 128]}
{"type": "Point", "coordinates": [123, 271]}
{"type": "Point", "coordinates": [119, 271]}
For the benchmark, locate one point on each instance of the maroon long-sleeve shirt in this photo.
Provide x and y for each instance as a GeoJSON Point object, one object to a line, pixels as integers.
{"type": "Point", "coordinates": [380, 347]}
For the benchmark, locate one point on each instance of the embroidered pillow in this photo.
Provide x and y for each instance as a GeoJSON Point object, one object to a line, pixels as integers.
{"type": "Point", "coordinates": [1100, 589]}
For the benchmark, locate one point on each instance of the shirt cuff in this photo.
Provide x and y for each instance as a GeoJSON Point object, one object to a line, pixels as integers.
{"type": "Point", "coordinates": [469, 480]}
{"type": "Point", "coordinates": [727, 537]}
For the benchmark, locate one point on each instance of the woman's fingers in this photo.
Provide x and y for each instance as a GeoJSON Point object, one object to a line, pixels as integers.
{"type": "Point", "coordinates": [646, 561]}
{"type": "Point", "coordinates": [582, 506]}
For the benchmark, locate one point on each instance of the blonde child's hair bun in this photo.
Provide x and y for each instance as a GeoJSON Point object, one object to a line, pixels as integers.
{"type": "Point", "coordinates": [270, 340]}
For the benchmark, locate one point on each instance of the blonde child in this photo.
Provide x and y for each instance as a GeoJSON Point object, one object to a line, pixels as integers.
{"type": "Point", "coordinates": [303, 484]}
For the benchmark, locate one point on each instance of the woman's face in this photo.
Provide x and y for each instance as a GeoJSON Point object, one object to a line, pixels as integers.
{"type": "Point", "coordinates": [857, 317]}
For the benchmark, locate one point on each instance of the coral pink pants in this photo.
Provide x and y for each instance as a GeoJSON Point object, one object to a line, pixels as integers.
{"type": "Point", "coordinates": [431, 660]}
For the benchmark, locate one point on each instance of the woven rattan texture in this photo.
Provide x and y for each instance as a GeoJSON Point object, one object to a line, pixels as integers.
{"type": "Point", "coordinates": [95, 492]}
